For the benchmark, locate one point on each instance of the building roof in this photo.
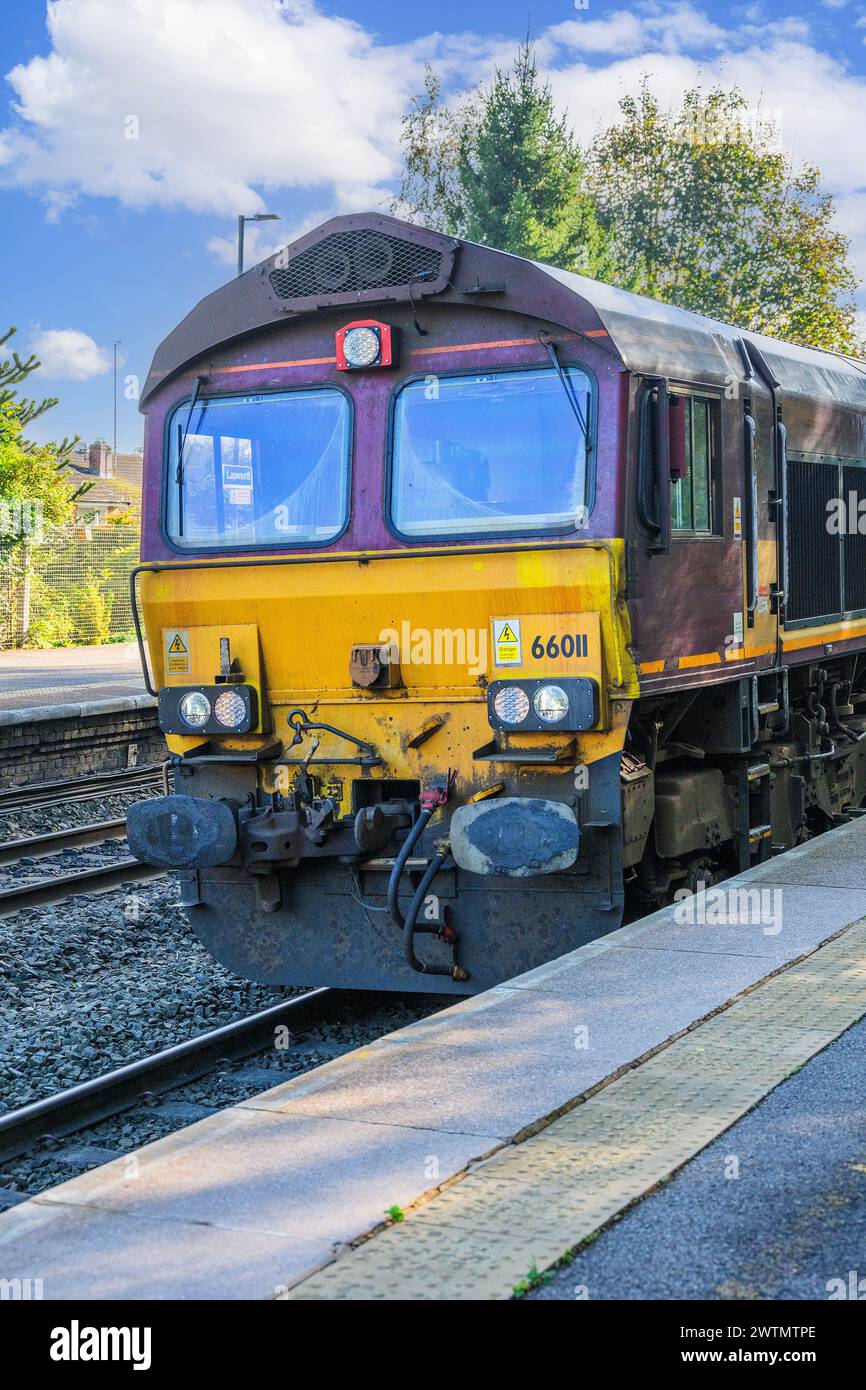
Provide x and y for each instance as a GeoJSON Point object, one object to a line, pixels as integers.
{"type": "Point", "coordinates": [103, 492]}
{"type": "Point", "coordinates": [128, 467]}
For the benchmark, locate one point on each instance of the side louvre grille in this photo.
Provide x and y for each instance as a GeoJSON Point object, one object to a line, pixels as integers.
{"type": "Point", "coordinates": [353, 262]}
{"type": "Point", "coordinates": [853, 544]}
{"type": "Point", "coordinates": [815, 553]}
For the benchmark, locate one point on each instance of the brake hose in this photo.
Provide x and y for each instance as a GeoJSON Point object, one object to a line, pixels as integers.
{"type": "Point", "coordinates": [412, 917]}
{"type": "Point", "coordinates": [400, 863]}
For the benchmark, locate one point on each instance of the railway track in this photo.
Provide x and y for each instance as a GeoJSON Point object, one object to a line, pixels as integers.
{"type": "Point", "coordinates": [27, 892]}
{"type": "Point", "coordinates": [105, 1096]}
{"type": "Point", "coordinates": [58, 841]}
{"type": "Point", "coordinates": [46, 891]}
{"type": "Point", "coordinates": [41, 892]}
{"type": "Point", "coordinates": [98, 785]}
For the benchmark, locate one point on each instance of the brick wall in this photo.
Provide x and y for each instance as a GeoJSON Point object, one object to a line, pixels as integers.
{"type": "Point", "coordinates": [77, 745]}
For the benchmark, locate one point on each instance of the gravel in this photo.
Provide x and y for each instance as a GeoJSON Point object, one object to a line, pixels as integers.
{"type": "Point", "coordinates": [100, 856]}
{"type": "Point", "coordinates": [91, 983]}
{"type": "Point", "coordinates": [41, 820]}
{"type": "Point", "coordinates": [94, 982]}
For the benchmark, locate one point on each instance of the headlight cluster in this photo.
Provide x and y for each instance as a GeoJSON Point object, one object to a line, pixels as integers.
{"type": "Point", "coordinates": [208, 709]}
{"type": "Point", "coordinates": [571, 703]}
{"type": "Point", "coordinates": [512, 705]}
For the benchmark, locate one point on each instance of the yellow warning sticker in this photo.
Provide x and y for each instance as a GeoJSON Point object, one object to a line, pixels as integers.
{"type": "Point", "coordinates": [177, 651]}
{"type": "Point", "coordinates": [506, 642]}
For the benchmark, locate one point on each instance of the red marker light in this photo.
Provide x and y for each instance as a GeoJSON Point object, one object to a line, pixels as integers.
{"type": "Point", "coordinates": [363, 344]}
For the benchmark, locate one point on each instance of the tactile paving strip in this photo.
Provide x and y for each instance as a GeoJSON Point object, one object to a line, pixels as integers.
{"type": "Point", "coordinates": [531, 1203]}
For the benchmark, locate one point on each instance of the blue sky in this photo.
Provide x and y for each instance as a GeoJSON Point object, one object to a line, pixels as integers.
{"type": "Point", "coordinates": [132, 132]}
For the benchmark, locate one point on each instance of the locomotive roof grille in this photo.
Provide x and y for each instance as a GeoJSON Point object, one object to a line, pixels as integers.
{"type": "Point", "coordinates": [351, 262]}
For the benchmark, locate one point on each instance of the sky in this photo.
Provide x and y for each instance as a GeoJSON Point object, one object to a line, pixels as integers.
{"type": "Point", "coordinates": [133, 133]}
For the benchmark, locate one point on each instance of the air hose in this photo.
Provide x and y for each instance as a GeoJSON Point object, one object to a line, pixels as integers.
{"type": "Point", "coordinates": [400, 864]}
{"type": "Point", "coordinates": [431, 800]}
{"type": "Point", "coordinates": [412, 918]}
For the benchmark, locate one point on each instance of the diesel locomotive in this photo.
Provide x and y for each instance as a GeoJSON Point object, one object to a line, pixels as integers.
{"type": "Point", "coordinates": [476, 594]}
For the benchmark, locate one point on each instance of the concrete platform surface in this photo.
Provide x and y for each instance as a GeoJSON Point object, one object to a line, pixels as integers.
{"type": "Point", "coordinates": [62, 676]}
{"type": "Point", "coordinates": [261, 1196]}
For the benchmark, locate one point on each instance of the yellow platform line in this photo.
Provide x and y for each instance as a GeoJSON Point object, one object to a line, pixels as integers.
{"type": "Point", "coordinates": [533, 1202]}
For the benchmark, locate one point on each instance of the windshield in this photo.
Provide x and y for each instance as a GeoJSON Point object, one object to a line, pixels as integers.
{"type": "Point", "coordinates": [259, 470]}
{"type": "Point", "coordinates": [493, 452]}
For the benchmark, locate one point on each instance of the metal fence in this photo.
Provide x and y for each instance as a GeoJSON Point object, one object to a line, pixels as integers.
{"type": "Point", "coordinates": [70, 588]}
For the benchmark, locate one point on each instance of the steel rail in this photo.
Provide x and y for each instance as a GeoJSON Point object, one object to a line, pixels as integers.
{"type": "Point", "coordinates": [115, 1091]}
{"type": "Point", "coordinates": [79, 788]}
{"type": "Point", "coordinates": [45, 891]}
{"type": "Point", "coordinates": [58, 841]}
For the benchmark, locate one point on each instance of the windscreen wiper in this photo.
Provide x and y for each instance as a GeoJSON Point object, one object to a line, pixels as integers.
{"type": "Point", "coordinates": [566, 386]}
{"type": "Point", "coordinates": [182, 432]}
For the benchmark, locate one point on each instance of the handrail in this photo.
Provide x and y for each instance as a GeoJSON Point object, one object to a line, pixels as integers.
{"type": "Point", "coordinates": [782, 519]}
{"type": "Point", "coordinates": [752, 485]}
{"type": "Point", "coordinates": [658, 481]}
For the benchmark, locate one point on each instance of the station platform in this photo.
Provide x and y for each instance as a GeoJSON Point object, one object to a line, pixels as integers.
{"type": "Point", "coordinates": [498, 1134]}
{"type": "Point", "coordinates": [49, 682]}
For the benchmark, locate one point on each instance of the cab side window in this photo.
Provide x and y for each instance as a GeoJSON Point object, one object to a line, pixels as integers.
{"type": "Point", "coordinates": [694, 432]}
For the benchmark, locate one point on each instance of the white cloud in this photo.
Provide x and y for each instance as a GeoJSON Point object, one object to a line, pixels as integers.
{"type": "Point", "coordinates": [67, 353]}
{"type": "Point", "coordinates": [822, 103]}
{"type": "Point", "coordinates": [671, 28]}
{"type": "Point", "coordinates": [206, 105]}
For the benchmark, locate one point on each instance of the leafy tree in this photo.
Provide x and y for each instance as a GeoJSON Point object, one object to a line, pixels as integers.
{"type": "Point", "coordinates": [697, 207]}
{"type": "Point", "coordinates": [501, 168]}
{"type": "Point", "coordinates": [33, 494]}
{"type": "Point", "coordinates": [705, 211]}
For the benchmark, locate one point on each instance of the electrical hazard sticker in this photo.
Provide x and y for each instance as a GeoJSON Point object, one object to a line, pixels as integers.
{"type": "Point", "coordinates": [177, 651]}
{"type": "Point", "coordinates": [506, 642]}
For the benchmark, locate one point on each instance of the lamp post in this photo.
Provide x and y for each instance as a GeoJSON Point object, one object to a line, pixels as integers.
{"type": "Point", "coordinates": [114, 436]}
{"type": "Point", "coordinates": [256, 217]}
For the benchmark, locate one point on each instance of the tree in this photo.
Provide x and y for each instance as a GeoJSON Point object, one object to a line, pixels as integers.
{"type": "Point", "coordinates": [33, 493]}
{"type": "Point", "coordinates": [34, 496]}
{"type": "Point", "coordinates": [13, 371]}
{"type": "Point", "coordinates": [704, 211]}
{"type": "Point", "coordinates": [501, 168]}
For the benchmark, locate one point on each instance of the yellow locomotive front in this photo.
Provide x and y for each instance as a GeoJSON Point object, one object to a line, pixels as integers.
{"type": "Point", "coordinates": [383, 597]}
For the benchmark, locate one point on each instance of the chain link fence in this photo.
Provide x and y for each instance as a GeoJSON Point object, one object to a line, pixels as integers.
{"type": "Point", "coordinates": [71, 588]}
